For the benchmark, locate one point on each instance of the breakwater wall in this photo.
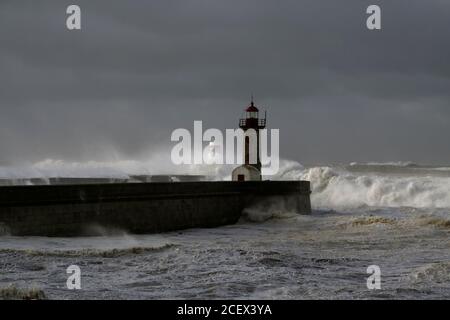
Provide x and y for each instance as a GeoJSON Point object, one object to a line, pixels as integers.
{"type": "Point", "coordinates": [73, 210]}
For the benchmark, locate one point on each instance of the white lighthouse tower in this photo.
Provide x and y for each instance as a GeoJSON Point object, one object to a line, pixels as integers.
{"type": "Point", "coordinates": [250, 171]}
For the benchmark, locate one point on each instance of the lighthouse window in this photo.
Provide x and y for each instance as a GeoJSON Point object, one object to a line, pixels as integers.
{"type": "Point", "coordinates": [252, 114]}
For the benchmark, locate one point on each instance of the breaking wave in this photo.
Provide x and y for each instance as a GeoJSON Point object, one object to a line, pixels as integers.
{"type": "Point", "coordinates": [275, 211]}
{"type": "Point", "coordinates": [119, 170]}
{"type": "Point", "coordinates": [339, 188]}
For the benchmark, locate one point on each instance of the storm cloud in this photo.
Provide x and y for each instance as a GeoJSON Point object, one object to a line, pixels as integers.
{"type": "Point", "coordinates": [138, 70]}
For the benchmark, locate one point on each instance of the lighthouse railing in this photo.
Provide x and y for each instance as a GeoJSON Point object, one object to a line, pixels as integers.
{"type": "Point", "coordinates": [261, 122]}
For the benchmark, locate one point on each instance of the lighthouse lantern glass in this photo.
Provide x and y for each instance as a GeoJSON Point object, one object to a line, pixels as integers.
{"type": "Point", "coordinates": [252, 115]}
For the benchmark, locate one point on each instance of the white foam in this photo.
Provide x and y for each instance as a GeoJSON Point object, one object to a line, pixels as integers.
{"type": "Point", "coordinates": [338, 188]}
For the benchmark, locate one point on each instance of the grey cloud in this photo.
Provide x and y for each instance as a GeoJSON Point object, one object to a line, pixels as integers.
{"type": "Point", "coordinates": [138, 70]}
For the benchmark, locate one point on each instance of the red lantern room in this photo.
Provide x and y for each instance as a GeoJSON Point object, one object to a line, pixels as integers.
{"type": "Point", "coordinates": [251, 120]}
{"type": "Point", "coordinates": [252, 111]}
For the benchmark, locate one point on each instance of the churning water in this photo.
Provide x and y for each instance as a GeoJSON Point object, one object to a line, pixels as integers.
{"type": "Point", "coordinates": [396, 216]}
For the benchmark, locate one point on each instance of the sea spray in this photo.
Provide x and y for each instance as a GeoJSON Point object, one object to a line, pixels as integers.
{"type": "Point", "coordinates": [269, 208]}
{"type": "Point", "coordinates": [337, 188]}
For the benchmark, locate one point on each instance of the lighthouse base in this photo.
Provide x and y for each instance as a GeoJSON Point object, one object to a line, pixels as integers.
{"type": "Point", "coordinates": [246, 173]}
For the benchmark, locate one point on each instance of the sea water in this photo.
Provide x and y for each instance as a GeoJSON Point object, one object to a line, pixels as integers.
{"type": "Point", "coordinates": [394, 215]}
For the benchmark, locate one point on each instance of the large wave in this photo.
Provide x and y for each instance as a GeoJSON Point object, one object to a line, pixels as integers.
{"type": "Point", "coordinates": [336, 187]}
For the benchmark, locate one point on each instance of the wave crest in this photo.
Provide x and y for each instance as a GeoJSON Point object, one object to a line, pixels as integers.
{"type": "Point", "coordinates": [334, 187]}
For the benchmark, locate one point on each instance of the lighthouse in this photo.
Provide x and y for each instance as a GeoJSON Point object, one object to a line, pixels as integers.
{"type": "Point", "coordinates": [251, 124]}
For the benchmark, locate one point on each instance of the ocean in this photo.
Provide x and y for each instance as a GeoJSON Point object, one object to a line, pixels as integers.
{"type": "Point", "coordinates": [392, 215]}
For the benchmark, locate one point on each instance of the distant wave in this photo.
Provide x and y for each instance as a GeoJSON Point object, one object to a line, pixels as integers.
{"type": "Point", "coordinates": [114, 169]}
{"type": "Point", "coordinates": [58, 168]}
{"type": "Point", "coordinates": [392, 164]}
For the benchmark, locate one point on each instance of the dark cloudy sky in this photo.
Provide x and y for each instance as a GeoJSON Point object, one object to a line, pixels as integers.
{"type": "Point", "coordinates": [139, 69]}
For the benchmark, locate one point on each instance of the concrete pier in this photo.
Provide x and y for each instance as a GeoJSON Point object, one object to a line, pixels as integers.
{"type": "Point", "coordinates": [73, 210]}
